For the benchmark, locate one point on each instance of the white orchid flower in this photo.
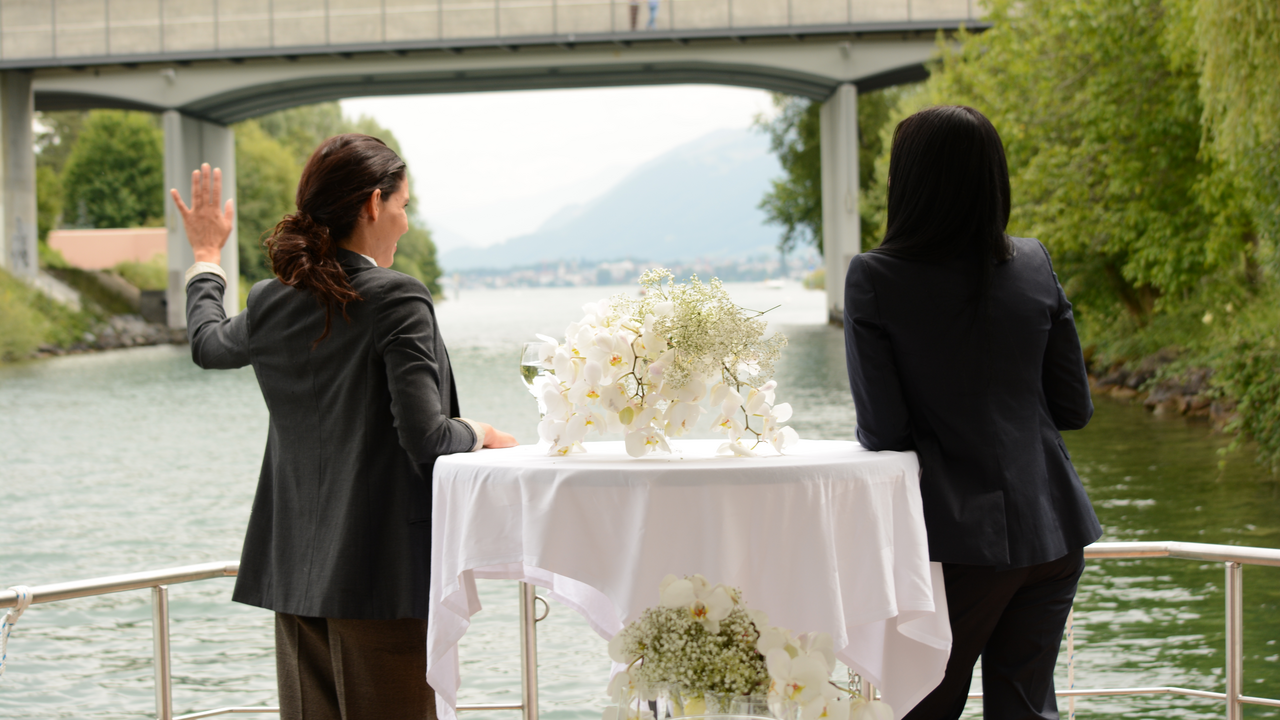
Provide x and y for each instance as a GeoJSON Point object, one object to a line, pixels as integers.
{"type": "Point", "coordinates": [645, 440]}
{"type": "Point", "coordinates": [862, 709]}
{"type": "Point", "coordinates": [617, 645]}
{"type": "Point", "coordinates": [768, 390]}
{"type": "Point", "coordinates": [693, 391]}
{"type": "Point", "coordinates": [659, 366]}
{"type": "Point", "coordinates": [780, 412]}
{"type": "Point", "coordinates": [613, 398]}
{"type": "Point", "coordinates": [736, 448]}
{"type": "Point", "coordinates": [706, 603]}
{"type": "Point", "coordinates": [783, 438]}
{"type": "Point", "coordinates": [832, 704]}
{"type": "Point", "coordinates": [681, 417]}
{"type": "Point", "coordinates": [730, 425]}
{"type": "Point", "coordinates": [772, 638]}
{"type": "Point", "coordinates": [755, 402]}
{"type": "Point", "coordinates": [547, 349]}
{"type": "Point", "coordinates": [626, 712]}
{"type": "Point", "coordinates": [797, 680]}
{"type": "Point", "coordinates": [748, 367]}
{"type": "Point", "coordinates": [731, 403]}
{"type": "Point", "coordinates": [819, 645]}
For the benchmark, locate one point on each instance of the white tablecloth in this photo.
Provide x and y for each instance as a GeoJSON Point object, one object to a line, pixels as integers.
{"type": "Point", "coordinates": [829, 537]}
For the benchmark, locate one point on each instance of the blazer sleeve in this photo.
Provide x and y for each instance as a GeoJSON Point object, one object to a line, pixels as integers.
{"type": "Point", "coordinates": [217, 341]}
{"type": "Point", "coordinates": [1064, 377]}
{"type": "Point", "coordinates": [406, 339]}
{"type": "Point", "coordinates": [883, 422]}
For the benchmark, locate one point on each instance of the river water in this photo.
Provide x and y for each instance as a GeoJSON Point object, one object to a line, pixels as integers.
{"type": "Point", "coordinates": [136, 459]}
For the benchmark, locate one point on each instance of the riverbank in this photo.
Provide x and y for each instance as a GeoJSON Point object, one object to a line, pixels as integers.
{"type": "Point", "coordinates": [33, 325]}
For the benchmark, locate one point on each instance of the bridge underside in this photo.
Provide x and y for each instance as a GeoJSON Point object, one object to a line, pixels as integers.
{"type": "Point", "coordinates": [227, 90]}
{"type": "Point", "coordinates": [200, 93]}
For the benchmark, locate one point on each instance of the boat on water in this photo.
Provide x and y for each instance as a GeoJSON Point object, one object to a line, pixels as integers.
{"type": "Point", "coordinates": [1231, 698]}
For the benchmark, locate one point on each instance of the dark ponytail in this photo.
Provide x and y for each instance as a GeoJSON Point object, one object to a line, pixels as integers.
{"type": "Point", "coordinates": [336, 183]}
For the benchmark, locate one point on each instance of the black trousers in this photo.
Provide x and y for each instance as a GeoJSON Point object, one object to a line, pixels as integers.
{"type": "Point", "coordinates": [1013, 620]}
{"type": "Point", "coordinates": [331, 669]}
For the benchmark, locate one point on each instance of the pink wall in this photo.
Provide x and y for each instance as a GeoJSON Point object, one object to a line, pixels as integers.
{"type": "Point", "coordinates": [101, 249]}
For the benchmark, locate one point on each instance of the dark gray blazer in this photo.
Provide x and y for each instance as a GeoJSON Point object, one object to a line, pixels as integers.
{"type": "Point", "coordinates": [980, 389]}
{"type": "Point", "coordinates": [341, 523]}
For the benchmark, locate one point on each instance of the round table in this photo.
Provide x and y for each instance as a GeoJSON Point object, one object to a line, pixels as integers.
{"type": "Point", "coordinates": [828, 537]}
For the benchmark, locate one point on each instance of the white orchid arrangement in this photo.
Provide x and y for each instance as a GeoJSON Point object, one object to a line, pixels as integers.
{"type": "Point", "coordinates": [702, 640]}
{"type": "Point", "coordinates": [645, 366]}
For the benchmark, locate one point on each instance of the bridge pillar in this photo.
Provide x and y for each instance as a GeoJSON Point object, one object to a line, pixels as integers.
{"type": "Point", "coordinates": [188, 142]}
{"type": "Point", "coordinates": [17, 175]}
{"type": "Point", "coordinates": [841, 225]}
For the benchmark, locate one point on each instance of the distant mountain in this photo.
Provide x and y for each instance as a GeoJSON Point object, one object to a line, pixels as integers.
{"type": "Point", "coordinates": [698, 200]}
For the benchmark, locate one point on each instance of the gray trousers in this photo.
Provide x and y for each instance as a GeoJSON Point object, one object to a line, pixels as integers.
{"type": "Point", "coordinates": [331, 669]}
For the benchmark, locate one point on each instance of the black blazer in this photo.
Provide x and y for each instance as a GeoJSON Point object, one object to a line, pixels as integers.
{"type": "Point", "coordinates": [979, 386]}
{"type": "Point", "coordinates": [341, 522]}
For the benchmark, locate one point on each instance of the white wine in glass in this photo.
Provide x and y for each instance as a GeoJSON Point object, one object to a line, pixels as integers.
{"type": "Point", "coordinates": [530, 364]}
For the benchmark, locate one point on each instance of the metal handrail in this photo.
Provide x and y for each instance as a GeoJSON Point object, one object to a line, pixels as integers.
{"type": "Point", "coordinates": [1234, 558]}
{"type": "Point", "coordinates": [159, 582]}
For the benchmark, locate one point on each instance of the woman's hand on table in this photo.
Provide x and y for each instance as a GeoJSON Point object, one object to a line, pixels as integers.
{"type": "Point", "coordinates": [495, 438]}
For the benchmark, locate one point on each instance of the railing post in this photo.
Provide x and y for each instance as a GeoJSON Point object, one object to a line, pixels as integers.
{"type": "Point", "coordinates": [1235, 639]}
{"type": "Point", "coordinates": [528, 652]}
{"type": "Point", "coordinates": [1071, 661]}
{"type": "Point", "coordinates": [160, 652]}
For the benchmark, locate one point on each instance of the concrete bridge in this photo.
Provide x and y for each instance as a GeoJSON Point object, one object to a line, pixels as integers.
{"type": "Point", "coordinates": [206, 63]}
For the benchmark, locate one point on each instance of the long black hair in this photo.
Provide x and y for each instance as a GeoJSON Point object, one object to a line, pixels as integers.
{"type": "Point", "coordinates": [948, 189]}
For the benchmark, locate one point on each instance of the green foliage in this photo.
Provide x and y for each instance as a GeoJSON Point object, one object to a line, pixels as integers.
{"type": "Point", "coordinates": [48, 200]}
{"type": "Point", "coordinates": [1102, 130]}
{"type": "Point", "coordinates": [114, 174]}
{"type": "Point", "coordinates": [57, 136]}
{"type": "Point", "coordinates": [416, 256]}
{"type": "Point", "coordinates": [1235, 46]}
{"type": "Point", "coordinates": [795, 200]}
{"type": "Point", "coordinates": [266, 180]}
{"type": "Point", "coordinates": [22, 329]}
{"type": "Point", "coordinates": [1246, 354]}
{"type": "Point", "coordinates": [149, 275]}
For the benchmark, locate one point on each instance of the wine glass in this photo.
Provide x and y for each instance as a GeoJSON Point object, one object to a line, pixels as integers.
{"type": "Point", "coordinates": [531, 365]}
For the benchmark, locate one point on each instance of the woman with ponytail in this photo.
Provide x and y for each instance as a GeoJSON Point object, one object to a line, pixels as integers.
{"type": "Point", "coordinates": [362, 401]}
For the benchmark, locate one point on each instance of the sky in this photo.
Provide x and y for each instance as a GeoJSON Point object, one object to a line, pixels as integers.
{"type": "Point", "coordinates": [491, 166]}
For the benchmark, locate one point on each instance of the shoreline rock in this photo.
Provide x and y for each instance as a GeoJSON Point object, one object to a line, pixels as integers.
{"type": "Point", "coordinates": [1189, 394]}
{"type": "Point", "coordinates": [120, 331]}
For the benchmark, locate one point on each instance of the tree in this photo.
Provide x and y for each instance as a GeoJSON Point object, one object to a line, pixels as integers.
{"type": "Point", "coordinates": [1102, 130]}
{"type": "Point", "coordinates": [416, 256]}
{"type": "Point", "coordinates": [114, 174]}
{"type": "Point", "coordinates": [270, 154]}
{"type": "Point", "coordinates": [266, 180]}
{"type": "Point", "coordinates": [795, 201]}
{"type": "Point", "coordinates": [1235, 47]}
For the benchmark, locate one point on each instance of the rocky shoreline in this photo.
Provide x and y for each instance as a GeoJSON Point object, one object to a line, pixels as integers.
{"type": "Point", "coordinates": [1189, 394]}
{"type": "Point", "coordinates": [120, 331]}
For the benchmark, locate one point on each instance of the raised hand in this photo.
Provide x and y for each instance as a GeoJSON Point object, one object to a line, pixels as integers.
{"type": "Point", "coordinates": [208, 227]}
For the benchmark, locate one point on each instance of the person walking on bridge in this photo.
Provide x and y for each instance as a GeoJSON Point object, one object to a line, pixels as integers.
{"type": "Point", "coordinates": [362, 401]}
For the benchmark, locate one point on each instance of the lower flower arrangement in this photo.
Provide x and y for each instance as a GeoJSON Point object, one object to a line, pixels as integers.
{"type": "Point", "coordinates": [702, 652]}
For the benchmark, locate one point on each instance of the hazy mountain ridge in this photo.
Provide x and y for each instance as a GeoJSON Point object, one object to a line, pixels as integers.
{"type": "Point", "coordinates": [698, 200]}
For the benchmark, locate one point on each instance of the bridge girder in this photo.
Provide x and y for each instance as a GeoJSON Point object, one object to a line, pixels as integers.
{"type": "Point", "coordinates": [224, 92]}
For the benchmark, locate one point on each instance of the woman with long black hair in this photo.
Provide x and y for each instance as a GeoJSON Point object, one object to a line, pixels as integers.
{"type": "Point", "coordinates": [961, 346]}
{"type": "Point", "coordinates": [362, 401]}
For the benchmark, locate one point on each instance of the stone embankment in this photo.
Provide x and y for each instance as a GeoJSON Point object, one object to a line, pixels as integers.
{"type": "Point", "coordinates": [120, 331]}
{"type": "Point", "coordinates": [1188, 394]}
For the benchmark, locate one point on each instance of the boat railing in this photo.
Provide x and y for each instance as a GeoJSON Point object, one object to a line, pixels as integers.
{"type": "Point", "coordinates": [1233, 558]}
{"type": "Point", "coordinates": [159, 582]}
